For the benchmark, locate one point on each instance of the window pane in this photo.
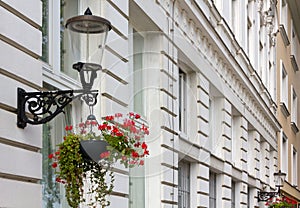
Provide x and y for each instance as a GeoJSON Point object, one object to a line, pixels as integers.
{"type": "Point", "coordinates": [183, 184]}
{"type": "Point", "coordinates": [53, 132]}
{"type": "Point", "coordinates": [138, 49]}
{"type": "Point", "coordinates": [212, 190]}
{"type": "Point", "coordinates": [45, 30]}
{"type": "Point", "coordinates": [182, 102]}
{"type": "Point", "coordinates": [68, 8]}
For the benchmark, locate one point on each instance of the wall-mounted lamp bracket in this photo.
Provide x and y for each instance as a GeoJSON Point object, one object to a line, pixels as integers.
{"type": "Point", "coordinates": [44, 106]}
{"type": "Point", "coordinates": [264, 196]}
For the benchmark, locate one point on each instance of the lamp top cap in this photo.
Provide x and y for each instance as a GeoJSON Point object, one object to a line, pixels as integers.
{"type": "Point", "coordinates": [88, 23]}
{"type": "Point", "coordinates": [280, 174]}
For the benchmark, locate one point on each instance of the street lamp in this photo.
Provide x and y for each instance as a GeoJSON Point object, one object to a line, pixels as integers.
{"type": "Point", "coordinates": [279, 179]}
{"type": "Point", "coordinates": [88, 36]}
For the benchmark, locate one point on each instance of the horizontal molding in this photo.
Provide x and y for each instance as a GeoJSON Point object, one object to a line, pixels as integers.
{"type": "Point", "coordinates": [168, 74]}
{"type": "Point", "coordinates": [169, 184]}
{"type": "Point", "coordinates": [114, 99]}
{"type": "Point", "coordinates": [168, 111]}
{"type": "Point", "coordinates": [20, 15]}
{"type": "Point", "coordinates": [168, 93]}
{"type": "Point", "coordinates": [19, 178]}
{"type": "Point", "coordinates": [169, 130]}
{"type": "Point", "coordinates": [116, 54]}
{"type": "Point", "coordinates": [19, 145]}
{"type": "Point", "coordinates": [169, 202]}
{"type": "Point", "coordinates": [8, 108]}
{"type": "Point", "coordinates": [18, 46]}
{"type": "Point", "coordinates": [116, 77]}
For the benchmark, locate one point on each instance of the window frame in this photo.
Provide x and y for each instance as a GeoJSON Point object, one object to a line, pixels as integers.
{"type": "Point", "coordinates": [284, 85]}
{"type": "Point", "coordinates": [294, 166]}
{"type": "Point", "coordinates": [212, 189]}
{"type": "Point", "coordinates": [183, 101]}
{"type": "Point", "coordinates": [284, 153]}
{"type": "Point", "coordinates": [184, 184]}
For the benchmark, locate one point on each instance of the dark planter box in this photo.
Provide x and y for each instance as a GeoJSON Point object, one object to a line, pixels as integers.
{"type": "Point", "coordinates": [91, 149]}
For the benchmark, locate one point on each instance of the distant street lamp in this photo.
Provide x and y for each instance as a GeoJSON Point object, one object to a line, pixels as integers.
{"type": "Point", "coordinates": [279, 179]}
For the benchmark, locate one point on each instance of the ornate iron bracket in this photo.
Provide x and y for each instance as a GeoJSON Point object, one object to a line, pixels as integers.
{"type": "Point", "coordinates": [264, 196]}
{"type": "Point", "coordinates": [44, 106]}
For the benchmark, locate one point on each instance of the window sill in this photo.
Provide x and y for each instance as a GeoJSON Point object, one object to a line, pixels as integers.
{"type": "Point", "coordinates": [294, 127]}
{"type": "Point", "coordinates": [294, 63]}
{"type": "Point", "coordinates": [284, 35]}
{"type": "Point", "coordinates": [284, 109]}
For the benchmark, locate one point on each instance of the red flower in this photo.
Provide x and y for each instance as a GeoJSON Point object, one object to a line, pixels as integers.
{"type": "Point", "coordinates": [119, 134]}
{"type": "Point", "coordinates": [68, 128]}
{"type": "Point", "coordinates": [131, 114]}
{"type": "Point", "coordinates": [134, 154]}
{"type": "Point", "coordinates": [144, 145]}
{"type": "Point", "coordinates": [54, 165]}
{"type": "Point", "coordinates": [142, 162]}
{"type": "Point", "coordinates": [146, 152]}
{"type": "Point", "coordinates": [137, 116]}
{"type": "Point", "coordinates": [50, 156]}
{"type": "Point", "coordinates": [137, 144]}
{"type": "Point", "coordinates": [57, 153]}
{"type": "Point", "coordinates": [109, 118]}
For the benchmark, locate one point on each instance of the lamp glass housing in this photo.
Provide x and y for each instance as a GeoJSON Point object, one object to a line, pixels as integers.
{"type": "Point", "coordinates": [87, 35]}
{"type": "Point", "coordinates": [279, 178]}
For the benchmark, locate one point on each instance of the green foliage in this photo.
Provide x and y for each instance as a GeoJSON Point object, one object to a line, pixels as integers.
{"type": "Point", "coordinates": [74, 171]}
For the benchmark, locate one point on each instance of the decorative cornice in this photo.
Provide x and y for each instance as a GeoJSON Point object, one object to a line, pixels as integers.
{"type": "Point", "coordinates": [194, 34]}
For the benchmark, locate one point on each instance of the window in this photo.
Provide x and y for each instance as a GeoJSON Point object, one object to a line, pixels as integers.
{"type": "Point", "coordinates": [45, 30]}
{"type": "Point", "coordinates": [233, 194]}
{"type": "Point", "coordinates": [284, 13]}
{"type": "Point", "coordinates": [284, 153]}
{"type": "Point", "coordinates": [295, 166]}
{"type": "Point", "coordinates": [284, 22]}
{"type": "Point", "coordinates": [182, 101]}
{"type": "Point", "coordinates": [212, 190]}
{"type": "Point", "coordinates": [56, 55]}
{"type": "Point", "coordinates": [234, 19]}
{"type": "Point", "coordinates": [53, 131]}
{"type": "Point", "coordinates": [294, 106]}
{"type": "Point", "coordinates": [138, 51]}
{"type": "Point", "coordinates": [184, 184]}
{"type": "Point", "coordinates": [284, 89]}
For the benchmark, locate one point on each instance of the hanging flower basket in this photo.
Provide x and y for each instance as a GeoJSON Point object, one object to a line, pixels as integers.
{"type": "Point", "coordinates": [280, 202]}
{"type": "Point", "coordinates": [86, 157]}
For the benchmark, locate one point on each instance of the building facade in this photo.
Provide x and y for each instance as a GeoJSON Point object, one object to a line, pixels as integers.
{"type": "Point", "coordinates": [203, 75]}
{"type": "Point", "coordinates": [287, 61]}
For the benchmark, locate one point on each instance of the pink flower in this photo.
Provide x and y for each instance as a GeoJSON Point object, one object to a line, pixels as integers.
{"type": "Point", "coordinates": [104, 154]}
{"type": "Point", "coordinates": [142, 162]}
{"type": "Point", "coordinates": [81, 125]}
{"type": "Point", "coordinates": [118, 115]}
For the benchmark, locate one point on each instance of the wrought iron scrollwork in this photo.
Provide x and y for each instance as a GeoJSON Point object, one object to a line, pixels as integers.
{"type": "Point", "coordinates": [44, 106]}
{"type": "Point", "coordinates": [264, 196]}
